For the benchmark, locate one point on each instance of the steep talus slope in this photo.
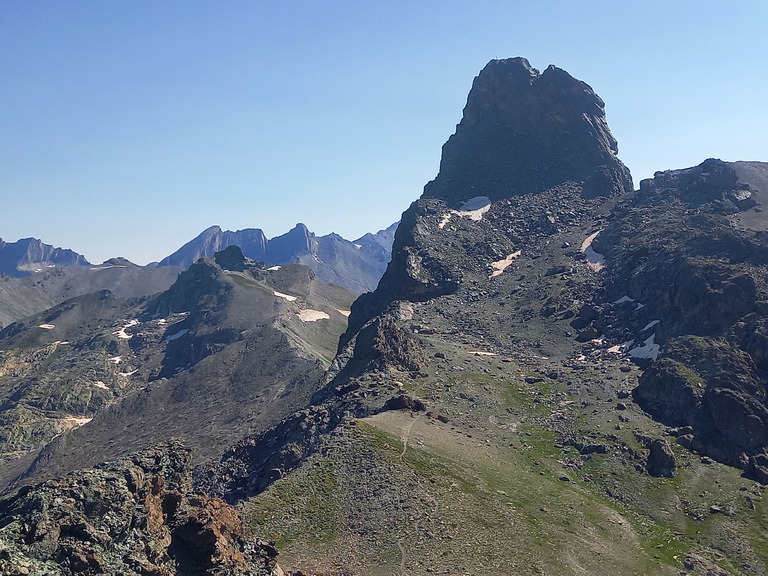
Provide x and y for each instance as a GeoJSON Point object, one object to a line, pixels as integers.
{"type": "Point", "coordinates": [478, 416]}
{"type": "Point", "coordinates": [132, 516]}
{"type": "Point", "coordinates": [230, 348]}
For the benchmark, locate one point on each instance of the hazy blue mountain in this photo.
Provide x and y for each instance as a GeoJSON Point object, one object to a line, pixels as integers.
{"type": "Point", "coordinates": [355, 265]}
{"type": "Point", "coordinates": [28, 255]}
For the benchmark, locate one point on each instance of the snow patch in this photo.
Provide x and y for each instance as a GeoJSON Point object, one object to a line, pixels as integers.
{"type": "Point", "coordinates": [312, 315]}
{"type": "Point", "coordinates": [482, 353]}
{"type": "Point", "coordinates": [285, 296]}
{"type": "Point", "coordinates": [343, 312]}
{"type": "Point", "coordinates": [474, 205]}
{"type": "Point", "coordinates": [623, 299]}
{"type": "Point", "coordinates": [127, 374]}
{"type": "Point", "coordinates": [650, 325]}
{"type": "Point", "coordinates": [116, 359]}
{"type": "Point", "coordinates": [100, 384]}
{"type": "Point", "coordinates": [71, 422]}
{"type": "Point", "coordinates": [649, 349]}
{"type": "Point", "coordinates": [274, 268]}
{"type": "Point", "coordinates": [500, 265]}
{"type": "Point", "coordinates": [121, 333]}
{"type": "Point", "coordinates": [47, 326]}
{"type": "Point", "coordinates": [176, 336]}
{"type": "Point", "coordinates": [595, 260]}
{"type": "Point", "coordinates": [474, 209]}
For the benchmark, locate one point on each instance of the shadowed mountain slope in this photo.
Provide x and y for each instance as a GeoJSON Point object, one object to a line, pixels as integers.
{"type": "Point", "coordinates": [230, 348]}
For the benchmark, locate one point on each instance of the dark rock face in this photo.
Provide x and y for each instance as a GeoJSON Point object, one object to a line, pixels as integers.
{"type": "Point", "coordinates": [30, 254]}
{"type": "Point", "coordinates": [661, 460]}
{"type": "Point", "coordinates": [404, 402]}
{"type": "Point", "coordinates": [132, 516]}
{"type": "Point", "coordinates": [690, 248]}
{"type": "Point", "coordinates": [255, 462]}
{"type": "Point", "coordinates": [525, 132]}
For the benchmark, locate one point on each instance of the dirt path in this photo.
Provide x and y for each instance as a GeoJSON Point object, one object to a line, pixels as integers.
{"type": "Point", "coordinates": [404, 439]}
{"type": "Point", "coordinates": [406, 435]}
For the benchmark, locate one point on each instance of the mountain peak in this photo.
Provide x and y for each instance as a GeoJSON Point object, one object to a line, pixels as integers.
{"type": "Point", "coordinates": [29, 255]}
{"type": "Point", "coordinates": [523, 131]}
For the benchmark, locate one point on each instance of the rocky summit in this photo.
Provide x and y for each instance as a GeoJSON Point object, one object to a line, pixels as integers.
{"type": "Point", "coordinates": [556, 374]}
{"type": "Point", "coordinates": [523, 131]}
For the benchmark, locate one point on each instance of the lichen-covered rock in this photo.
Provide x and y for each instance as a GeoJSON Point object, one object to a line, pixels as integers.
{"type": "Point", "coordinates": [134, 516]}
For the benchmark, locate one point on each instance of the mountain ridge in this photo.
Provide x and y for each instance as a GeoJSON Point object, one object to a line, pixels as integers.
{"type": "Point", "coordinates": [489, 381]}
{"type": "Point", "coordinates": [356, 265]}
{"type": "Point", "coordinates": [493, 406]}
{"type": "Point", "coordinates": [28, 255]}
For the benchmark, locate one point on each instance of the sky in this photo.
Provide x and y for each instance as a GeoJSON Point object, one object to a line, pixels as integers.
{"type": "Point", "coordinates": [128, 127]}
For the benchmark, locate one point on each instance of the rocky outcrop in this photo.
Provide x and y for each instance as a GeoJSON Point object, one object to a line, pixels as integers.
{"type": "Point", "coordinates": [257, 461]}
{"type": "Point", "coordinates": [525, 132]}
{"type": "Point", "coordinates": [131, 516]}
{"type": "Point", "coordinates": [688, 256]}
{"type": "Point", "coordinates": [661, 459]}
{"type": "Point", "coordinates": [714, 388]}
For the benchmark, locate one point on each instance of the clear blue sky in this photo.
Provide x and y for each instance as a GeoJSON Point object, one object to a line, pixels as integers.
{"type": "Point", "coordinates": [126, 128]}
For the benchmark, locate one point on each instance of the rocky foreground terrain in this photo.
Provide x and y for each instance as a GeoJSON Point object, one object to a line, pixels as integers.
{"type": "Point", "coordinates": [557, 374]}
{"type": "Point", "coordinates": [132, 516]}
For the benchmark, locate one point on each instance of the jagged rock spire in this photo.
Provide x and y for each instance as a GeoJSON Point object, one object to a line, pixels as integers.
{"type": "Point", "coordinates": [524, 132]}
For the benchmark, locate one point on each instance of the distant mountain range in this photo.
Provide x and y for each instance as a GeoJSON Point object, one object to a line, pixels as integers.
{"type": "Point", "coordinates": [355, 265]}
{"type": "Point", "coordinates": [30, 255]}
